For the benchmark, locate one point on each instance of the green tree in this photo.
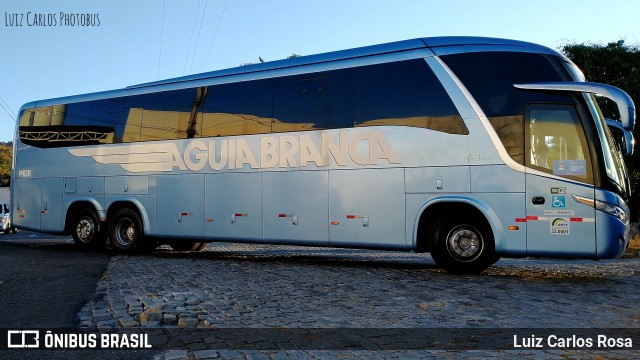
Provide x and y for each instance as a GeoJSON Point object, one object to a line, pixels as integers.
{"type": "Point", "coordinates": [6, 155]}
{"type": "Point", "coordinates": [616, 64]}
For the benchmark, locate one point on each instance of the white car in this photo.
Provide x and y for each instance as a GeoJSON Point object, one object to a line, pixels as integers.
{"type": "Point", "coordinates": [5, 224]}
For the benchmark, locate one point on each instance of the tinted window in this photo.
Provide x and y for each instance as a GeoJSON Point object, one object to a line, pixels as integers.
{"type": "Point", "coordinates": [77, 125]}
{"type": "Point", "coordinates": [405, 93]}
{"type": "Point", "coordinates": [236, 109]}
{"type": "Point", "coordinates": [155, 116]}
{"type": "Point", "coordinates": [63, 125]}
{"type": "Point", "coordinates": [314, 101]}
{"type": "Point", "coordinates": [42, 117]}
{"type": "Point", "coordinates": [29, 133]}
{"type": "Point", "coordinates": [100, 116]}
{"type": "Point", "coordinates": [116, 113]}
{"type": "Point", "coordinates": [77, 114]}
{"type": "Point", "coordinates": [164, 115]}
{"type": "Point", "coordinates": [490, 76]}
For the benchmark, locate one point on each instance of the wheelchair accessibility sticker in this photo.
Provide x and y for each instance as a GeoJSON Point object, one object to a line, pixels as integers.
{"type": "Point", "coordinates": [558, 201]}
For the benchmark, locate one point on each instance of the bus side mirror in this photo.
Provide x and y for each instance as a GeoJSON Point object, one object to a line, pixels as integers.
{"type": "Point", "coordinates": [623, 137]}
{"type": "Point", "coordinates": [626, 108]}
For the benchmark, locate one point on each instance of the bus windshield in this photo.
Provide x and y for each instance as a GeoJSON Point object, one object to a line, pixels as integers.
{"type": "Point", "coordinates": [613, 160]}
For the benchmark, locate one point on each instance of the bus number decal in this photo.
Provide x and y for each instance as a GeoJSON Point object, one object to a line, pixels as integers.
{"type": "Point", "coordinates": [24, 173]}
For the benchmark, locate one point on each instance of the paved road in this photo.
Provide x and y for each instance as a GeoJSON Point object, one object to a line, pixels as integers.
{"type": "Point", "coordinates": [259, 286]}
{"type": "Point", "coordinates": [187, 297]}
{"type": "Point", "coordinates": [35, 279]}
{"type": "Point", "coordinates": [44, 282]}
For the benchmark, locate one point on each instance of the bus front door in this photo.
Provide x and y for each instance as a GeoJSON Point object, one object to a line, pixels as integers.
{"type": "Point", "coordinates": [558, 168]}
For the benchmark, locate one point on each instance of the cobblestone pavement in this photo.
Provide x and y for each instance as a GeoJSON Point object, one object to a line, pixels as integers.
{"type": "Point", "coordinates": [233, 285]}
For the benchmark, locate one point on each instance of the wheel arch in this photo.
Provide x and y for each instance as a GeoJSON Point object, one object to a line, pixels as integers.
{"type": "Point", "coordinates": [73, 207]}
{"type": "Point", "coordinates": [132, 204]}
{"type": "Point", "coordinates": [437, 207]}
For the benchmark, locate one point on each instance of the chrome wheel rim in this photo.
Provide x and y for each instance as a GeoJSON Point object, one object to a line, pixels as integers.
{"type": "Point", "coordinates": [464, 242]}
{"type": "Point", "coordinates": [85, 229]}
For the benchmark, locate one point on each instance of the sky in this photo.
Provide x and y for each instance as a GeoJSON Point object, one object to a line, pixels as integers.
{"type": "Point", "coordinates": [46, 52]}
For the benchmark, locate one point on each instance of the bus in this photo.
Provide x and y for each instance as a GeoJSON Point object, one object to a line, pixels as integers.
{"type": "Point", "coordinates": [468, 148]}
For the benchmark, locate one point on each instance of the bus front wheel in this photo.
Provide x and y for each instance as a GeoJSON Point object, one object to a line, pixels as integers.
{"type": "Point", "coordinates": [87, 231]}
{"type": "Point", "coordinates": [125, 231]}
{"type": "Point", "coordinates": [462, 245]}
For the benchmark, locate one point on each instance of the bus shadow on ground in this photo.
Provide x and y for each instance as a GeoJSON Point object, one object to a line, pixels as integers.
{"type": "Point", "coordinates": [303, 256]}
{"type": "Point", "coordinates": [546, 270]}
{"type": "Point", "coordinates": [528, 270]}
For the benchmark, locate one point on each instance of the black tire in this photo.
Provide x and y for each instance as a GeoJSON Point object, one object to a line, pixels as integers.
{"type": "Point", "coordinates": [494, 259]}
{"type": "Point", "coordinates": [185, 245]}
{"type": "Point", "coordinates": [126, 233]}
{"type": "Point", "coordinates": [14, 230]}
{"type": "Point", "coordinates": [86, 229]}
{"type": "Point", "coordinates": [462, 245]}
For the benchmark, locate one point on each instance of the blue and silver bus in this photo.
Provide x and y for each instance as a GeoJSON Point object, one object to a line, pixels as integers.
{"type": "Point", "coordinates": [471, 149]}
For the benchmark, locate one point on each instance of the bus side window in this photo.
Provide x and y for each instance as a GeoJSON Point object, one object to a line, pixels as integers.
{"type": "Point", "coordinates": [236, 109]}
{"type": "Point", "coordinates": [101, 120]}
{"type": "Point", "coordinates": [314, 101]}
{"type": "Point", "coordinates": [405, 93]}
{"type": "Point", "coordinates": [35, 125]}
{"type": "Point", "coordinates": [164, 115]}
{"type": "Point", "coordinates": [77, 114]}
{"type": "Point", "coordinates": [127, 120]}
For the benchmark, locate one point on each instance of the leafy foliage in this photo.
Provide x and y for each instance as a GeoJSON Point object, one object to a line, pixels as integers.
{"type": "Point", "coordinates": [6, 155]}
{"type": "Point", "coordinates": [616, 64]}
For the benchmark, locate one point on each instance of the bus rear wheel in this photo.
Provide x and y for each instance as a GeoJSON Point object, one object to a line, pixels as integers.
{"type": "Point", "coordinates": [87, 232]}
{"type": "Point", "coordinates": [125, 231]}
{"type": "Point", "coordinates": [462, 245]}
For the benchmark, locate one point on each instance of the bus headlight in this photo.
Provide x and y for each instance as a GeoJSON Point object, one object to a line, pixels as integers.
{"type": "Point", "coordinates": [612, 209]}
{"type": "Point", "coordinates": [603, 206]}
